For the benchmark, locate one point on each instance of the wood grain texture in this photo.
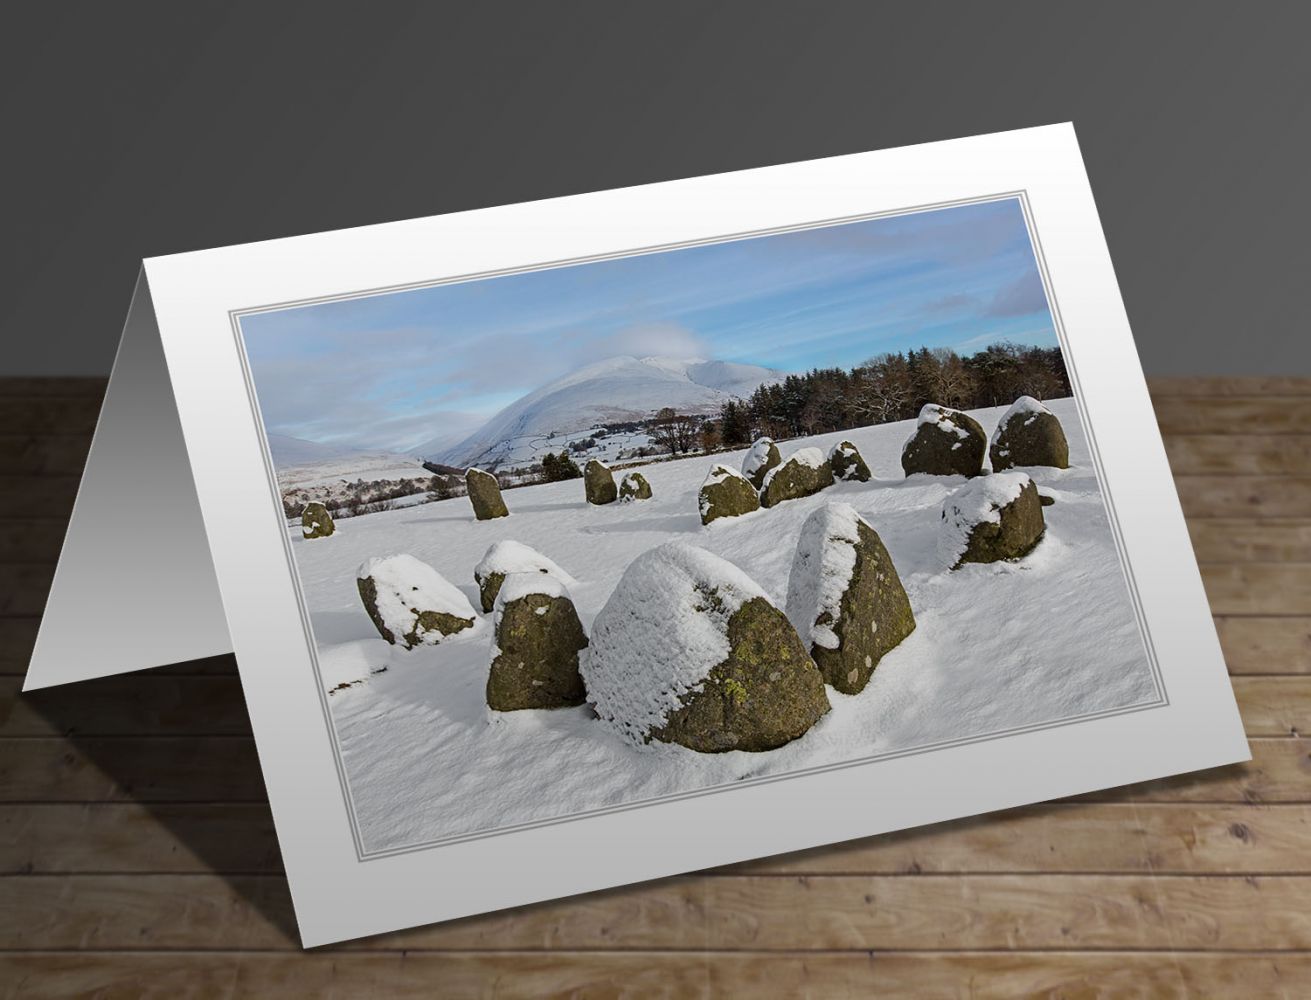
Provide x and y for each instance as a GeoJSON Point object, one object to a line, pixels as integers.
{"type": "Point", "coordinates": [138, 855]}
{"type": "Point", "coordinates": [1161, 386]}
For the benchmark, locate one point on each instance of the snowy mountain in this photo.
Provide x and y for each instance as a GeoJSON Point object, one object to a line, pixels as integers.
{"type": "Point", "coordinates": [610, 391]}
{"type": "Point", "coordinates": [287, 450]}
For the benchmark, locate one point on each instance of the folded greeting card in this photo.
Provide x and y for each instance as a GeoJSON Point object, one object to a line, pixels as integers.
{"type": "Point", "coordinates": [580, 542]}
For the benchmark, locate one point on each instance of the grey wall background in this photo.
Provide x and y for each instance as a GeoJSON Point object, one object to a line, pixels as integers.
{"type": "Point", "coordinates": [136, 129]}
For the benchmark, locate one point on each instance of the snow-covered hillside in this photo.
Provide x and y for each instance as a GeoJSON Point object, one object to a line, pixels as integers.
{"type": "Point", "coordinates": [370, 466]}
{"type": "Point", "coordinates": [997, 646]}
{"type": "Point", "coordinates": [611, 391]}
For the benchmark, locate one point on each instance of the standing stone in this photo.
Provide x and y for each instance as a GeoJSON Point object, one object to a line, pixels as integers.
{"type": "Point", "coordinates": [634, 487]}
{"type": "Point", "coordinates": [726, 493]}
{"type": "Point", "coordinates": [599, 483]}
{"type": "Point", "coordinates": [485, 495]}
{"type": "Point", "coordinates": [689, 650]}
{"type": "Point", "coordinates": [507, 557]}
{"type": "Point", "coordinates": [1028, 434]}
{"type": "Point", "coordinates": [762, 457]}
{"type": "Point", "coordinates": [945, 443]}
{"type": "Point", "coordinates": [845, 598]}
{"type": "Point", "coordinates": [847, 465]}
{"type": "Point", "coordinates": [316, 522]}
{"type": "Point", "coordinates": [990, 519]}
{"type": "Point", "coordinates": [410, 603]}
{"type": "Point", "coordinates": [535, 653]}
{"type": "Point", "coordinates": [805, 472]}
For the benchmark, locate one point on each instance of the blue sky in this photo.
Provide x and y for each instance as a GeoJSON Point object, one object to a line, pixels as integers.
{"type": "Point", "coordinates": [391, 371]}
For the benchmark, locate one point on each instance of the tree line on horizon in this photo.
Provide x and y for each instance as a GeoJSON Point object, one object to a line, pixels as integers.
{"type": "Point", "coordinates": [893, 386]}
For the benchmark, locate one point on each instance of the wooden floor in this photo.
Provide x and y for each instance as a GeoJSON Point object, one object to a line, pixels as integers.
{"type": "Point", "coordinates": [139, 857]}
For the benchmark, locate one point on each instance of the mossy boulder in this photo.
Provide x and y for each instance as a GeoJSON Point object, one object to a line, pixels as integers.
{"type": "Point", "coordinates": [994, 518]}
{"type": "Point", "coordinates": [762, 456]}
{"type": "Point", "coordinates": [945, 443]}
{"type": "Point", "coordinates": [538, 638]}
{"type": "Point", "coordinates": [485, 495]}
{"type": "Point", "coordinates": [847, 464]}
{"type": "Point", "coordinates": [507, 557]}
{"type": "Point", "coordinates": [410, 603]}
{"type": "Point", "coordinates": [726, 493]}
{"type": "Point", "coordinates": [845, 598]}
{"type": "Point", "coordinates": [316, 522]}
{"type": "Point", "coordinates": [805, 472]}
{"type": "Point", "coordinates": [1028, 434]}
{"type": "Point", "coordinates": [599, 483]}
{"type": "Point", "coordinates": [689, 650]}
{"type": "Point", "coordinates": [634, 487]}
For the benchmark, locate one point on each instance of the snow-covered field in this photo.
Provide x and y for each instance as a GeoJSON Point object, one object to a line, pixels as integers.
{"type": "Point", "coordinates": [997, 646]}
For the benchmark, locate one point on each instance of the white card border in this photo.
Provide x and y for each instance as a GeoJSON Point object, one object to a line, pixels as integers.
{"type": "Point", "coordinates": [337, 896]}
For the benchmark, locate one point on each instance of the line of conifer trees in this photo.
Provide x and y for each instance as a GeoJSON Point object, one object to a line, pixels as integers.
{"type": "Point", "coordinates": [892, 387]}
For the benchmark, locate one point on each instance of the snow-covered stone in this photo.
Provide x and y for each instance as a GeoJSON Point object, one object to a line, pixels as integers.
{"type": "Point", "coordinates": [1028, 434]}
{"type": "Point", "coordinates": [726, 493]}
{"type": "Point", "coordinates": [992, 518]}
{"type": "Point", "coordinates": [535, 650]}
{"type": "Point", "coordinates": [847, 464]}
{"type": "Point", "coordinates": [760, 458]}
{"type": "Point", "coordinates": [805, 472]}
{"type": "Point", "coordinates": [507, 557]}
{"type": "Point", "coordinates": [410, 603]}
{"type": "Point", "coordinates": [316, 522]}
{"type": "Point", "coordinates": [599, 483]}
{"type": "Point", "coordinates": [945, 443]}
{"type": "Point", "coordinates": [634, 487]}
{"type": "Point", "coordinates": [689, 650]}
{"type": "Point", "coordinates": [485, 495]}
{"type": "Point", "coordinates": [844, 596]}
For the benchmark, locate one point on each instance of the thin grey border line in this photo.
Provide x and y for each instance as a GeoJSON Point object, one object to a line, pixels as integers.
{"type": "Point", "coordinates": [1020, 195]}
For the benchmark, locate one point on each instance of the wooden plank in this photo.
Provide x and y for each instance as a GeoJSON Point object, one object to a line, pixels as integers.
{"type": "Point", "coordinates": [759, 913]}
{"type": "Point", "coordinates": [1244, 496]}
{"type": "Point", "coordinates": [46, 497]}
{"type": "Point", "coordinates": [1237, 540]}
{"type": "Point", "coordinates": [72, 414]}
{"type": "Point", "coordinates": [53, 385]}
{"type": "Point", "coordinates": [658, 975]}
{"type": "Point", "coordinates": [24, 588]}
{"type": "Point", "coordinates": [1228, 385]}
{"type": "Point", "coordinates": [44, 455]}
{"type": "Point", "coordinates": [1258, 588]}
{"type": "Point", "coordinates": [17, 637]}
{"type": "Point", "coordinates": [1233, 414]}
{"type": "Point", "coordinates": [1052, 838]}
{"type": "Point", "coordinates": [141, 769]}
{"type": "Point", "coordinates": [1239, 454]}
{"type": "Point", "coordinates": [1266, 645]}
{"type": "Point", "coordinates": [160, 704]}
{"type": "Point", "coordinates": [1274, 706]}
{"type": "Point", "coordinates": [31, 540]}
{"type": "Point", "coordinates": [1279, 771]}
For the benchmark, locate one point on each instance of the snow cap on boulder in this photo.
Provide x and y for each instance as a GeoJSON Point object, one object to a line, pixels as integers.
{"type": "Point", "coordinates": [726, 493]}
{"type": "Point", "coordinates": [762, 456]}
{"type": "Point", "coordinates": [992, 518]}
{"type": "Point", "coordinates": [535, 649]}
{"type": "Point", "coordinates": [945, 443]}
{"type": "Point", "coordinates": [805, 471]}
{"type": "Point", "coordinates": [1028, 434]}
{"type": "Point", "coordinates": [845, 460]}
{"type": "Point", "coordinates": [507, 557]}
{"type": "Point", "coordinates": [690, 650]}
{"type": "Point", "coordinates": [599, 483]}
{"type": "Point", "coordinates": [844, 596]}
{"type": "Point", "coordinates": [316, 522]}
{"type": "Point", "coordinates": [410, 603]}
{"type": "Point", "coordinates": [634, 487]}
{"type": "Point", "coordinates": [485, 495]}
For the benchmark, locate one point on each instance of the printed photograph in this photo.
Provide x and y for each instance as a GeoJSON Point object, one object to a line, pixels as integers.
{"type": "Point", "coordinates": [590, 536]}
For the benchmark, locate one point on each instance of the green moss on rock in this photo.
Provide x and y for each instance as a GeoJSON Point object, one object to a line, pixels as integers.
{"type": "Point", "coordinates": [485, 495]}
{"type": "Point", "coordinates": [1029, 434]}
{"type": "Point", "coordinates": [316, 522]}
{"type": "Point", "coordinates": [768, 691]}
{"type": "Point", "coordinates": [847, 464]}
{"type": "Point", "coordinates": [634, 487]}
{"type": "Point", "coordinates": [1014, 535]}
{"type": "Point", "coordinates": [805, 473]}
{"type": "Point", "coordinates": [538, 638]}
{"type": "Point", "coordinates": [726, 493]}
{"type": "Point", "coordinates": [945, 443]}
{"type": "Point", "coordinates": [425, 622]}
{"type": "Point", "coordinates": [762, 457]}
{"type": "Point", "coordinates": [599, 483]}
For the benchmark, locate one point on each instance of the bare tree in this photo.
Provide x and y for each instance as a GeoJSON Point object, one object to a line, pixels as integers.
{"type": "Point", "coordinates": [674, 432]}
